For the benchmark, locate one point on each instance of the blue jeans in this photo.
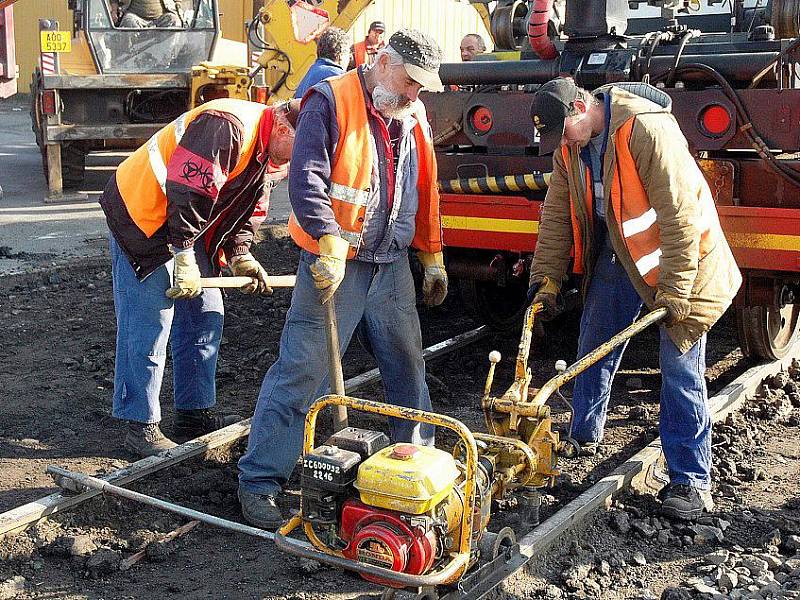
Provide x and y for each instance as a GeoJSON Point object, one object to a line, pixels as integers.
{"type": "Point", "coordinates": [383, 294]}
{"type": "Point", "coordinates": [145, 317]}
{"type": "Point", "coordinates": [612, 304]}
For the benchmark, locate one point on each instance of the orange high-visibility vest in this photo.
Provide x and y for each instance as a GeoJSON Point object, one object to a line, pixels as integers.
{"type": "Point", "coordinates": [635, 217]}
{"type": "Point", "coordinates": [360, 52]}
{"type": "Point", "coordinates": [142, 177]}
{"type": "Point", "coordinates": [351, 172]}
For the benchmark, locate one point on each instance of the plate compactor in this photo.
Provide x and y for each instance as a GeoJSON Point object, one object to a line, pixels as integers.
{"type": "Point", "coordinates": [410, 516]}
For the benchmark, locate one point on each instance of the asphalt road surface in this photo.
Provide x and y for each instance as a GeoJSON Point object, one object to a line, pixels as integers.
{"type": "Point", "coordinates": [34, 234]}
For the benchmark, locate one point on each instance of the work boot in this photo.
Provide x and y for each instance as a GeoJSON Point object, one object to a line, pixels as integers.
{"type": "Point", "coordinates": [589, 449]}
{"type": "Point", "coordinates": [190, 424]}
{"type": "Point", "coordinates": [260, 510]}
{"type": "Point", "coordinates": [146, 439]}
{"type": "Point", "coordinates": [684, 502]}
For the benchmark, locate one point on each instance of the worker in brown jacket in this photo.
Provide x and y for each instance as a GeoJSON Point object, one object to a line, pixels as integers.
{"type": "Point", "coordinates": [629, 202]}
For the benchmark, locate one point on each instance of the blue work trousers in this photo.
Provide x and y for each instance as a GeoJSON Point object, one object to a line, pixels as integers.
{"type": "Point", "coordinates": [611, 305]}
{"type": "Point", "coordinates": [383, 294]}
{"type": "Point", "coordinates": [145, 318]}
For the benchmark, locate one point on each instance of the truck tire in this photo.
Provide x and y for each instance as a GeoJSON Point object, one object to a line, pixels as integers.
{"type": "Point", "coordinates": [73, 154]}
{"type": "Point", "coordinates": [767, 332]}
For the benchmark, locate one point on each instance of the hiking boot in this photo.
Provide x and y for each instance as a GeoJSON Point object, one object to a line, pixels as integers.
{"type": "Point", "coordinates": [260, 510]}
{"type": "Point", "coordinates": [684, 502]}
{"type": "Point", "coordinates": [189, 424]}
{"type": "Point", "coordinates": [589, 449]}
{"type": "Point", "coordinates": [146, 439]}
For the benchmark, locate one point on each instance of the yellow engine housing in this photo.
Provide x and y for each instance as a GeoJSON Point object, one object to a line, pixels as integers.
{"type": "Point", "coordinates": [407, 478]}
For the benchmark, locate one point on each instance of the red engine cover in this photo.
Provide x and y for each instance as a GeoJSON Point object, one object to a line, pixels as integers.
{"type": "Point", "coordinates": [379, 537]}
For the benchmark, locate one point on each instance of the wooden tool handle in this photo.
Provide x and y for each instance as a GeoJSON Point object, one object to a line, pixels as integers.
{"type": "Point", "coordinates": [275, 281]}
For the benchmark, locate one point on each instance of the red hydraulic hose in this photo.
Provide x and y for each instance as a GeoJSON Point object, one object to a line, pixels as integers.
{"type": "Point", "coordinates": [541, 44]}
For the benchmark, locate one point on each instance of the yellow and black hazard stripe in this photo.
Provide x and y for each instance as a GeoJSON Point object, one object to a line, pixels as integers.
{"type": "Point", "coordinates": [497, 185]}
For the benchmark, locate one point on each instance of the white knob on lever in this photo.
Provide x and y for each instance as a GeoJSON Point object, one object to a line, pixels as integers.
{"type": "Point", "coordinates": [561, 366]}
{"type": "Point", "coordinates": [494, 357]}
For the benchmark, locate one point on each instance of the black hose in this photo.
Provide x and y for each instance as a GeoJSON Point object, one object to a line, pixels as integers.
{"type": "Point", "coordinates": [258, 42]}
{"type": "Point", "coordinates": [747, 126]}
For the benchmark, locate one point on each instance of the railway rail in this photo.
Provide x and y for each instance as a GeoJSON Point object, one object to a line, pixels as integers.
{"type": "Point", "coordinates": [640, 471]}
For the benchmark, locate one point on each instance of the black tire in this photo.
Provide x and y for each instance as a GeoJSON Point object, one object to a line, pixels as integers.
{"type": "Point", "coordinates": [766, 332]}
{"type": "Point", "coordinates": [501, 308]}
{"type": "Point", "coordinates": [73, 154]}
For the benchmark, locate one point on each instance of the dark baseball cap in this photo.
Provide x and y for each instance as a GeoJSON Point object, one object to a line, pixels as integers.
{"type": "Point", "coordinates": [552, 104]}
{"type": "Point", "coordinates": [377, 26]}
{"type": "Point", "coordinates": [421, 57]}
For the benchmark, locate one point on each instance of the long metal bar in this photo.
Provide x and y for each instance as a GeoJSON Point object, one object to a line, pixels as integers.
{"type": "Point", "coordinates": [22, 516]}
{"type": "Point", "coordinates": [590, 359]}
{"type": "Point", "coordinates": [335, 364]}
{"type": "Point", "coordinates": [79, 482]}
{"type": "Point", "coordinates": [741, 66]}
{"type": "Point", "coordinates": [279, 281]}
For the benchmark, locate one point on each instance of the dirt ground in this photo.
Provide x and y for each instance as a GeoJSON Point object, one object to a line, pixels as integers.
{"type": "Point", "coordinates": [56, 369]}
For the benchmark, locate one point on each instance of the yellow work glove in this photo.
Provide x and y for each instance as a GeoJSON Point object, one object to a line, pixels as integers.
{"type": "Point", "coordinates": [247, 266]}
{"type": "Point", "coordinates": [545, 292]}
{"type": "Point", "coordinates": [185, 276]}
{"type": "Point", "coordinates": [328, 269]}
{"type": "Point", "coordinates": [434, 282]}
{"type": "Point", "coordinates": [678, 308]}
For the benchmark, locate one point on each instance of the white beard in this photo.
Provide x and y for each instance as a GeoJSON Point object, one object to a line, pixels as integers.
{"type": "Point", "coordinates": [388, 103]}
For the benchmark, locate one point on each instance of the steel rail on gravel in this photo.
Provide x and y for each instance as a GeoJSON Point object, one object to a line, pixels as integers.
{"type": "Point", "coordinates": [17, 519]}
{"type": "Point", "coordinates": [636, 472]}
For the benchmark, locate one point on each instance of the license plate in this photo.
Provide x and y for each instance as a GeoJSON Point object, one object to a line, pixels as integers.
{"type": "Point", "coordinates": [56, 41]}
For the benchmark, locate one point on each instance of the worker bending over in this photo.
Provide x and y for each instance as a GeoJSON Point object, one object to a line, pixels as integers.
{"type": "Point", "coordinates": [363, 189]}
{"type": "Point", "coordinates": [188, 200]}
{"type": "Point", "coordinates": [628, 198]}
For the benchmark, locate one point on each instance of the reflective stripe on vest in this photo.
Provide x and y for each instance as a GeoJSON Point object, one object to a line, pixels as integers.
{"type": "Point", "coordinates": [142, 177]}
{"type": "Point", "coordinates": [154, 153]}
{"type": "Point", "coordinates": [635, 217]}
{"type": "Point", "coordinates": [351, 173]}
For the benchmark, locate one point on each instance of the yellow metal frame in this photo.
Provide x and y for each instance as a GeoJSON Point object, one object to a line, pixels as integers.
{"type": "Point", "coordinates": [459, 560]}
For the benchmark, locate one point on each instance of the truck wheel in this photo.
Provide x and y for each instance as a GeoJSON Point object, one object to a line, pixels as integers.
{"type": "Point", "coordinates": [501, 308]}
{"type": "Point", "coordinates": [73, 155]}
{"type": "Point", "coordinates": [768, 332]}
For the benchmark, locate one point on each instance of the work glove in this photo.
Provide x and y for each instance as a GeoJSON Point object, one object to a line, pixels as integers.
{"type": "Point", "coordinates": [247, 266]}
{"type": "Point", "coordinates": [434, 281]}
{"type": "Point", "coordinates": [185, 276]}
{"type": "Point", "coordinates": [678, 308]}
{"type": "Point", "coordinates": [546, 293]}
{"type": "Point", "coordinates": [328, 270]}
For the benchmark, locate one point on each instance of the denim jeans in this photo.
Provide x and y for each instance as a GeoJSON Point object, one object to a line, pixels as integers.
{"type": "Point", "coordinates": [612, 304]}
{"type": "Point", "coordinates": [383, 294]}
{"type": "Point", "coordinates": [145, 318]}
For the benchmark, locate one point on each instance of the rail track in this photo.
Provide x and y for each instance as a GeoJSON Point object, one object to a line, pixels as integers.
{"type": "Point", "coordinates": [641, 471]}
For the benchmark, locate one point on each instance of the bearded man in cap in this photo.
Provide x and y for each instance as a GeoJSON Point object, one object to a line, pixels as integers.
{"type": "Point", "coordinates": [628, 199]}
{"type": "Point", "coordinates": [363, 189]}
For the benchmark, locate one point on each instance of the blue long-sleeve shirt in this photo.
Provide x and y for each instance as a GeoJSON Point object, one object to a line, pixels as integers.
{"type": "Point", "coordinates": [319, 71]}
{"type": "Point", "coordinates": [389, 223]}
